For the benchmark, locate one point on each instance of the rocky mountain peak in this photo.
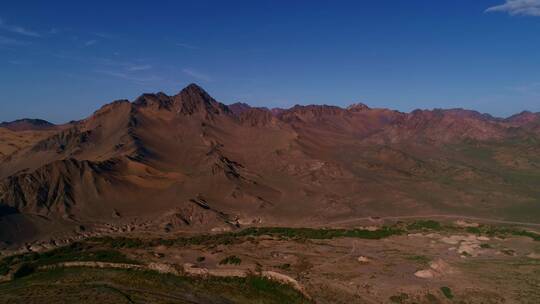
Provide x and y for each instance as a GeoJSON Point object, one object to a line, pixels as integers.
{"type": "Point", "coordinates": [194, 99]}
{"type": "Point", "coordinates": [357, 107]}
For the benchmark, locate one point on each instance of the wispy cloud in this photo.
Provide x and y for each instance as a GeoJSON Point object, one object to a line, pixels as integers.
{"type": "Point", "coordinates": [518, 7]}
{"type": "Point", "coordinates": [90, 42]}
{"type": "Point", "coordinates": [103, 35]}
{"type": "Point", "coordinates": [530, 89]}
{"type": "Point", "coordinates": [196, 74]}
{"type": "Point", "coordinates": [18, 62]}
{"type": "Point", "coordinates": [6, 41]}
{"type": "Point", "coordinates": [107, 63]}
{"type": "Point", "coordinates": [17, 29]}
{"type": "Point", "coordinates": [135, 71]}
{"type": "Point", "coordinates": [124, 66]}
{"type": "Point", "coordinates": [134, 68]}
{"type": "Point", "coordinates": [187, 46]}
{"type": "Point", "coordinates": [128, 76]}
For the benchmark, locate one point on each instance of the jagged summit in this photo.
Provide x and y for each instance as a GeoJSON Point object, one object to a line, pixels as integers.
{"type": "Point", "coordinates": [194, 88]}
{"type": "Point", "coordinates": [194, 99]}
{"type": "Point", "coordinates": [189, 101]}
{"type": "Point", "coordinates": [358, 107]}
{"type": "Point", "coordinates": [159, 100]}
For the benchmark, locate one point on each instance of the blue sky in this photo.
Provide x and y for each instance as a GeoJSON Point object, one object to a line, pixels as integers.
{"type": "Point", "coordinates": [61, 60]}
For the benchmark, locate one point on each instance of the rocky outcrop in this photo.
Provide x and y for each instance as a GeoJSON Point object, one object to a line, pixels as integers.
{"type": "Point", "coordinates": [52, 188]}
{"type": "Point", "coordinates": [257, 117]}
{"type": "Point", "coordinates": [300, 113]}
{"type": "Point", "coordinates": [239, 107]}
{"type": "Point", "coordinates": [195, 213]}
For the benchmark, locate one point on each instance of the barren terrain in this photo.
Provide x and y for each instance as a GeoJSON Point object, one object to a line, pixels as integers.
{"type": "Point", "coordinates": [309, 204]}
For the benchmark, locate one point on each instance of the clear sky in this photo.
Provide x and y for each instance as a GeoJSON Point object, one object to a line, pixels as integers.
{"type": "Point", "coordinates": [61, 60]}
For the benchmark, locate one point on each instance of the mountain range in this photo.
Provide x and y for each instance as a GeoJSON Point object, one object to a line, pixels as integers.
{"type": "Point", "coordinates": [188, 162]}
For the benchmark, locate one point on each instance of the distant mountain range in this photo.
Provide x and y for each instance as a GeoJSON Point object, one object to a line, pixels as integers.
{"type": "Point", "coordinates": [27, 124]}
{"type": "Point", "coordinates": [166, 163]}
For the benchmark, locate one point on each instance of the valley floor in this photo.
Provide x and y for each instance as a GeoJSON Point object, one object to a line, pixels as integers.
{"type": "Point", "coordinates": [422, 261]}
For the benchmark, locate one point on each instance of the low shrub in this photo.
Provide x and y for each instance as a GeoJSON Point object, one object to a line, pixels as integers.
{"type": "Point", "coordinates": [447, 292]}
{"type": "Point", "coordinates": [232, 260]}
{"type": "Point", "coordinates": [424, 225]}
{"type": "Point", "coordinates": [400, 298]}
{"type": "Point", "coordinates": [24, 270]}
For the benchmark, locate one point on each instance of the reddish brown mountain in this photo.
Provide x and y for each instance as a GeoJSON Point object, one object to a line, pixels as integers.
{"type": "Point", "coordinates": [524, 117]}
{"type": "Point", "coordinates": [239, 107]}
{"type": "Point", "coordinates": [189, 162]}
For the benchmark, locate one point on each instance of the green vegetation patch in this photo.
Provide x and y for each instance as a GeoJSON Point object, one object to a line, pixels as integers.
{"type": "Point", "coordinates": [4, 268]}
{"type": "Point", "coordinates": [474, 230]}
{"type": "Point", "coordinates": [424, 225]}
{"type": "Point", "coordinates": [237, 237]}
{"type": "Point", "coordinates": [400, 298]}
{"type": "Point", "coordinates": [89, 285]}
{"type": "Point", "coordinates": [232, 260]}
{"type": "Point", "coordinates": [318, 234]}
{"type": "Point", "coordinates": [24, 270]}
{"type": "Point", "coordinates": [71, 253]}
{"type": "Point", "coordinates": [265, 286]}
{"type": "Point", "coordinates": [530, 234]}
{"type": "Point", "coordinates": [285, 266]}
{"type": "Point", "coordinates": [447, 292]}
{"type": "Point", "coordinates": [502, 232]}
{"type": "Point", "coordinates": [231, 238]}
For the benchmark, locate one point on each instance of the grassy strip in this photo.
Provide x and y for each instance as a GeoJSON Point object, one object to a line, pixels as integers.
{"type": "Point", "coordinates": [309, 233]}
{"type": "Point", "coordinates": [235, 237]}
{"type": "Point", "coordinates": [85, 284]}
{"type": "Point", "coordinates": [74, 252]}
{"type": "Point", "coordinates": [425, 225]}
{"type": "Point", "coordinates": [532, 235]}
{"type": "Point", "coordinates": [319, 234]}
{"type": "Point", "coordinates": [492, 231]}
{"type": "Point", "coordinates": [87, 252]}
{"type": "Point", "coordinates": [502, 232]}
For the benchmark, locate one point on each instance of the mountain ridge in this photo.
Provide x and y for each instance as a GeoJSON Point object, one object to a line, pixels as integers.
{"type": "Point", "coordinates": [149, 158]}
